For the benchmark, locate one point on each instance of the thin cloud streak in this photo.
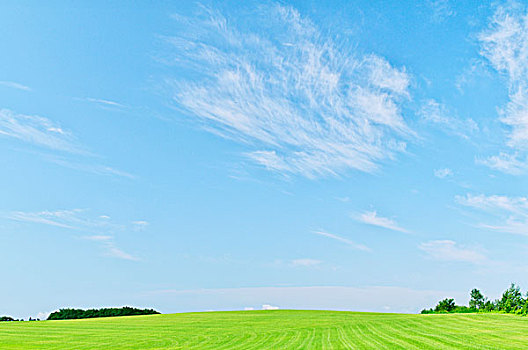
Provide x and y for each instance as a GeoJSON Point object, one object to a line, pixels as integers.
{"type": "Point", "coordinates": [104, 102]}
{"type": "Point", "coordinates": [311, 107]}
{"type": "Point", "coordinates": [79, 220]}
{"type": "Point", "coordinates": [37, 130]}
{"type": "Point", "coordinates": [76, 219]}
{"type": "Point", "coordinates": [108, 244]}
{"type": "Point", "coordinates": [372, 218]}
{"type": "Point", "coordinates": [44, 133]}
{"type": "Point", "coordinates": [509, 163]}
{"type": "Point", "coordinates": [343, 240]}
{"type": "Point", "coordinates": [495, 203]}
{"type": "Point", "coordinates": [510, 213]}
{"type": "Point", "coordinates": [447, 250]}
{"type": "Point", "coordinates": [438, 114]}
{"type": "Point", "coordinates": [306, 262]}
{"type": "Point", "coordinates": [14, 85]}
{"type": "Point", "coordinates": [88, 167]}
{"type": "Point", "coordinates": [55, 218]}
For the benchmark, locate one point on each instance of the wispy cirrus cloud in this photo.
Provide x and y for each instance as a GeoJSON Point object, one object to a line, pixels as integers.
{"type": "Point", "coordinates": [306, 262]}
{"type": "Point", "coordinates": [59, 218]}
{"type": "Point", "coordinates": [76, 219]}
{"type": "Point", "coordinates": [441, 10]}
{"type": "Point", "coordinates": [303, 100]}
{"type": "Point", "coordinates": [443, 173]}
{"type": "Point", "coordinates": [438, 114]}
{"type": "Point", "coordinates": [37, 130]}
{"type": "Point", "coordinates": [372, 218]}
{"type": "Point", "coordinates": [98, 228]}
{"type": "Point", "coordinates": [103, 102]}
{"type": "Point", "coordinates": [46, 134]}
{"type": "Point", "coordinates": [107, 242]}
{"type": "Point", "coordinates": [509, 163]}
{"type": "Point", "coordinates": [343, 240]}
{"type": "Point", "coordinates": [518, 205]}
{"type": "Point", "coordinates": [505, 46]}
{"type": "Point", "coordinates": [507, 214]}
{"type": "Point", "coordinates": [88, 166]}
{"type": "Point", "coordinates": [447, 250]}
{"type": "Point", "coordinates": [139, 225]}
{"type": "Point", "coordinates": [14, 85]}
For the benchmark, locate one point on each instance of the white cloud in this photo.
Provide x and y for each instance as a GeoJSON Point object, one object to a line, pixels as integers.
{"type": "Point", "coordinates": [436, 113]}
{"type": "Point", "coordinates": [269, 307]}
{"type": "Point", "coordinates": [14, 85]}
{"type": "Point", "coordinates": [88, 167]}
{"type": "Point", "coordinates": [43, 315]}
{"type": "Point", "coordinates": [100, 229]}
{"type": "Point", "coordinates": [509, 214]}
{"type": "Point", "coordinates": [107, 242]}
{"type": "Point", "coordinates": [372, 218]}
{"type": "Point", "coordinates": [505, 45]}
{"type": "Point", "coordinates": [58, 218]}
{"type": "Point", "coordinates": [343, 240]}
{"type": "Point", "coordinates": [470, 76]}
{"type": "Point", "coordinates": [140, 224]}
{"type": "Point", "coordinates": [312, 107]}
{"type": "Point", "coordinates": [76, 219]}
{"type": "Point", "coordinates": [248, 308]}
{"type": "Point", "coordinates": [447, 250]}
{"type": "Point", "coordinates": [441, 9]}
{"type": "Point", "coordinates": [113, 251]}
{"type": "Point", "coordinates": [306, 262]}
{"type": "Point", "coordinates": [104, 102]}
{"type": "Point", "coordinates": [45, 133]}
{"type": "Point", "coordinates": [507, 163]}
{"type": "Point", "coordinates": [513, 205]}
{"type": "Point", "coordinates": [36, 130]}
{"type": "Point", "coordinates": [443, 173]}
{"type": "Point", "coordinates": [510, 225]}
{"type": "Point", "coordinates": [98, 238]}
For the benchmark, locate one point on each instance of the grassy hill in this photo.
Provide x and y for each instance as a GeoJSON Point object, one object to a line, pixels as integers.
{"type": "Point", "coordinates": [281, 329]}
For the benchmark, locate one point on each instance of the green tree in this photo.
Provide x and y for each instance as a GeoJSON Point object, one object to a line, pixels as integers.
{"type": "Point", "coordinates": [490, 305]}
{"type": "Point", "coordinates": [446, 305]}
{"type": "Point", "coordinates": [511, 300]}
{"type": "Point", "coordinates": [477, 300]}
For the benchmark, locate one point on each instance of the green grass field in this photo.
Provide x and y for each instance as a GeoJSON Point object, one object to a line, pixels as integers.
{"type": "Point", "coordinates": [273, 330]}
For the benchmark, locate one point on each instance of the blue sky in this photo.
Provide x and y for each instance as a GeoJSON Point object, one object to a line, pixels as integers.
{"type": "Point", "coordinates": [209, 156]}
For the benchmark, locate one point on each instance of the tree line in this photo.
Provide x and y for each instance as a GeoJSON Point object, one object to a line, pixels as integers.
{"type": "Point", "coordinates": [7, 319]}
{"type": "Point", "coordinates": [511, 301]}
{"type": "Point", "coordinates": [68, 314]}
{"type": "Point", "coordinates": [11, 319]}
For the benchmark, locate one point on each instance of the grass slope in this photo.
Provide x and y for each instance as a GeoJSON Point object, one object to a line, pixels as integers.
{"type": "Point", "coordinates": [281, 329]}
